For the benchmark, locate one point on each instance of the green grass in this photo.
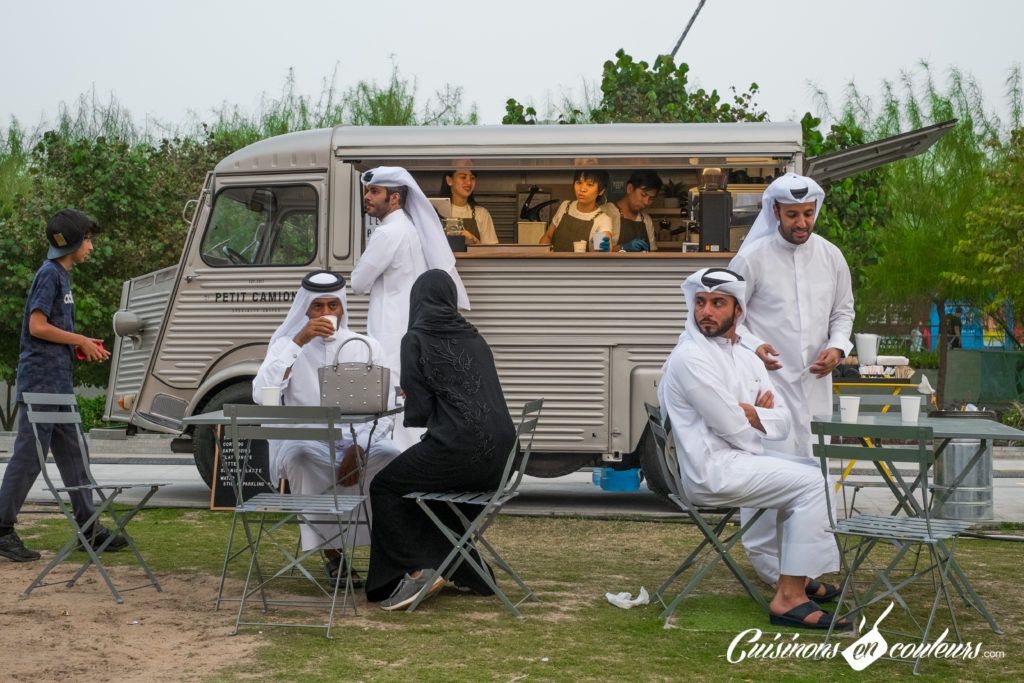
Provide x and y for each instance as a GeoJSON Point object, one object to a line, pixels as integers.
{"type": "Point", "coordinates": [570, 563]}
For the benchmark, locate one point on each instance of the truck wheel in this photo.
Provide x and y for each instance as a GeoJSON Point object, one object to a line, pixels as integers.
{"type": "Point", "coordinates": [649, 456]}
{"type": "Point", "coordinates": [557, 464]}
{"type": "Point", "coordinates": [204, 444]}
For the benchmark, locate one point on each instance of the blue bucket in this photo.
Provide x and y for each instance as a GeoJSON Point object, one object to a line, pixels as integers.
{"type": "Point", "coordinates": [620, 480]}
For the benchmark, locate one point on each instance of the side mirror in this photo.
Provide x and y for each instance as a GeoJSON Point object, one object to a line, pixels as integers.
{"type": "Point", "coordinates": [128, 324]}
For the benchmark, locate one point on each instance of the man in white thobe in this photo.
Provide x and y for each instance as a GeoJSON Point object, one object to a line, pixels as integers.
{"type": "Point", "coordinates": [303, 343]}
{"type": "Point", "coordinates": [722, 408]}
{"type": "Point", "coordinates": [799, 320]}
{"type": "Point", "coordinates": [409, 241]}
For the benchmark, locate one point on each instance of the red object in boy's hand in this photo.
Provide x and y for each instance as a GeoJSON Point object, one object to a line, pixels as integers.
{"type": "Point", "coordinates": [81, 356]}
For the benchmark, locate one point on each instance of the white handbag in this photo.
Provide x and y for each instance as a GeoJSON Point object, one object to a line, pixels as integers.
{"type": "Point", "coordinates": [355, 387]}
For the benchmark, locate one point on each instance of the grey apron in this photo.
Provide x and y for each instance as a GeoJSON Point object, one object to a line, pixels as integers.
{"type": "Point", "coordinates": [571, 229]}
{"type": "Point", "coordinates": [469, 224]}
{"type": "Point", "coordinates": [631, 230]}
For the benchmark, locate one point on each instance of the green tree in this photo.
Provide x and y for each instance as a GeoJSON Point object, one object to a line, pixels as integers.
{"type": "Point", "coordinates": [855, 209]}
{"type": "Point", "coordinates": [993, 237]}
{"type": "Point", "coordinates": [930, 197]}
{"type": "Point", "coordinates": [634, 91]}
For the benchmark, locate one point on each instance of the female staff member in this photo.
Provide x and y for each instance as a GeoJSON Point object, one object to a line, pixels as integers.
{"type": "Point", "coordinates": [452, 389]}
{"type": "Point", "coordinates": [477, 226]}
{"type": "Point", "coordinates": [584, 218]}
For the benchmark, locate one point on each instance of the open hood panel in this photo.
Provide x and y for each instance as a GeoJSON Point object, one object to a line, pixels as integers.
{"type": "Point", "coordinates": [829, 168]}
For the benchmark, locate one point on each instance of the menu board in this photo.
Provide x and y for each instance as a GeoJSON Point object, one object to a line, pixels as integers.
{"type": "Point", "coordinates": [226, 467]}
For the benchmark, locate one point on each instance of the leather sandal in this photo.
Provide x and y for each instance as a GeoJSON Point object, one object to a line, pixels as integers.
{"type": "Point", "coordinates": [795, 618]}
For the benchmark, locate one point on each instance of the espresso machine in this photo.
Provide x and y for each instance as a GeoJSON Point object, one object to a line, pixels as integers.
{"type": "Point", "coordinates": [711, 210]}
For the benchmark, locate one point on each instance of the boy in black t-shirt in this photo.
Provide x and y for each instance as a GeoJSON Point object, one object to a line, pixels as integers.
{"type": "Point", "coordinates": [48, 342]}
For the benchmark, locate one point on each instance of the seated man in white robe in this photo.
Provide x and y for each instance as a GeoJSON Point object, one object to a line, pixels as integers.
{"type": "Point", "coordinates": [722, 408]}
{"type": "Point", "coordinates": [305, 341]}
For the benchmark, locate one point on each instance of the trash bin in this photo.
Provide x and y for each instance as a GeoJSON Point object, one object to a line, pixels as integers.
{"type": "Point", "coordinates": [972, 499]}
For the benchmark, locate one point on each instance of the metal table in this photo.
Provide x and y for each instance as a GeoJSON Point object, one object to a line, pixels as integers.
{"type": "Point", "coordinates": [944, 429]}
{"type": "Point", "coordinates": [282, 423]}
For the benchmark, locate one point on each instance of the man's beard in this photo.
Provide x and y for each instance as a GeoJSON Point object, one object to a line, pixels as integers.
{"type": "Point", "coordinates": [722, 329]}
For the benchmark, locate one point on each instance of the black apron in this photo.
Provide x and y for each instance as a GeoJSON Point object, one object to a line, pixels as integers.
{"type": "Point", "coordinates": [571, 229]}
{"type": "Point", "coordinates": [469, 224]}
{"type": "Point", "coordinates": [631, 230]}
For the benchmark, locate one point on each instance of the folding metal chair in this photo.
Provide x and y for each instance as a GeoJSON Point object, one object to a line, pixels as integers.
{"type": "Point", "coordinates": [716, 541]}
{"type": "Point", "coordinates": [270, 513]}
{"type": "Point", "coordinates": [65, 411]}
{"type": "Point", "coordinates": [470, 536]}
{"type": "Point", "coordinates": [918, 529]}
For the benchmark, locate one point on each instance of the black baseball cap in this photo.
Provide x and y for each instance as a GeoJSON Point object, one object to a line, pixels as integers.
{"type": "Point", "coordinates": [67, 230]}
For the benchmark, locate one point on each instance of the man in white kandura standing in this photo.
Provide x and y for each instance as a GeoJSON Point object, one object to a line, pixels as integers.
{"type": "Point", "coordinates": [799, 320]}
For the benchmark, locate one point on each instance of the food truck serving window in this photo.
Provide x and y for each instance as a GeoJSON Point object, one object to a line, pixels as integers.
{"type": "Point", "coordinates": [262, 225]}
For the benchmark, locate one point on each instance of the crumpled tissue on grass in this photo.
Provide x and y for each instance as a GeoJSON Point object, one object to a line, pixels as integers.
{"type": "Point", "coordinates": [626, 600]}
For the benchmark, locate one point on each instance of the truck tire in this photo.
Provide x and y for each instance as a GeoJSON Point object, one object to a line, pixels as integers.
{"type": "Point", "coordinates": [204, 445]}
{"type": "Point", "coordinates": [557, 464]}
{"type": "Point", "coordinates": [649, 456]}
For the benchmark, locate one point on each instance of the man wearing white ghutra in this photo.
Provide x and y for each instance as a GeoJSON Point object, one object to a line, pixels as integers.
{"type": "Point", "coordinates": [726, 419]}
{"type": "Point", "coordinates": [799, 320]}
{"type": "Point", "coordinates": [409, 241]}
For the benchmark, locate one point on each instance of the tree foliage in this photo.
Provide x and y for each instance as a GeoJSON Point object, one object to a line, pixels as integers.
{"type": "Point", "coordinates": [855, 210]}
{"type": "Point", "coordinates": [930, 197]}
{"type": "Point", "coordinates": [95, 159]}
{"type": "Point", "coordinates": [634, 91]}
{"type": "Point", "coordinates": [994, 237]}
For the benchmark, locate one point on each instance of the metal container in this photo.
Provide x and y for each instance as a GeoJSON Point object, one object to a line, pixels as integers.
{"type": "Point", "coordinates": [972, 499]}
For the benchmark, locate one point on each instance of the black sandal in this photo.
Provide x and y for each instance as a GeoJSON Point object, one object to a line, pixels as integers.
{"type": "Point", "coordinates": [336, 568]}
{"type": "Point", "coordinates": [832, 591]}
{"type": "Point", "coordinates": [795, 617]}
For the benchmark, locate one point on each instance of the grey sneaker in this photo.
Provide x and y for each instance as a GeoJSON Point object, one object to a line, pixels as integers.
{"type": "Point", "coordinates": [13, 549]}
{"type": "Point", "coordinates": [409, 587]}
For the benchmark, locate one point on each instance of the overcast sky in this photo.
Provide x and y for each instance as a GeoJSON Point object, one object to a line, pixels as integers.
{"type": "Point", "coordinates": [165, 59]}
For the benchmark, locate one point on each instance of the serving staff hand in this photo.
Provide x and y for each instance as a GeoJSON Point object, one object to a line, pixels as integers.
{"type": "Point", "coordinates": [765, 353]}
{"type": "Point", "coordinates": [605, 244]}
{"type": "Point", "coordinates": [636, 244]}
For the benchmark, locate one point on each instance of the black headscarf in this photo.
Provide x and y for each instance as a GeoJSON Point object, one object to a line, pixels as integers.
{"type": "Point", "coordinates": [433, 306]}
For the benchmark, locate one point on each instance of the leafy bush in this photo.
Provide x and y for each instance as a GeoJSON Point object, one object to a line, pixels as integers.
{"type": "Point", "coordinates": [923, 359]}
{"type": "Point", "coordinates": [91, 410]}
{"type": "Point", "coordinates": [1014, 415]}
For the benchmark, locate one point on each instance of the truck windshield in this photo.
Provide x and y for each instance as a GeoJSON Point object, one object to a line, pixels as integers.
{"type": "Point", "coordinates": [263, 225]}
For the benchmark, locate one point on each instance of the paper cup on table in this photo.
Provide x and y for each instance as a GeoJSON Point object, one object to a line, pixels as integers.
{"type": "Point", "coordinates": [910, 409]}
{"type": "Point", "coordinates": [270, 396]}
{"type": "Point", "coordinates": [334, 321]}
{"type": "Point", "coordinates": [579, 246]}
{"type": "Point", "coordinates": [849, 407]}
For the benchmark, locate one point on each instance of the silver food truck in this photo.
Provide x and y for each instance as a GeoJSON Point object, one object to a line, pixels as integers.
{"type": "Point", "coordinates": [588, 332]}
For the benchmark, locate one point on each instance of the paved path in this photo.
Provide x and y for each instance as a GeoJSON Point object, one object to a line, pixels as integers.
{"type": "Point", "coordinates": [148, 459]}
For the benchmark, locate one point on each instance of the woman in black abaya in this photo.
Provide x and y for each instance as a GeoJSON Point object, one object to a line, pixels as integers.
{"type": "Point", "coordinates": [451, 388]}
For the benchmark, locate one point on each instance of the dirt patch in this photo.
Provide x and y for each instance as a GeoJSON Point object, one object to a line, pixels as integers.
{"type": "Point", "coordinates": [80, 633]}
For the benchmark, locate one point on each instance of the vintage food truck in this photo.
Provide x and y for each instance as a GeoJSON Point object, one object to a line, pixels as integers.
{"type": "Point", "coordinates": [588, 332]}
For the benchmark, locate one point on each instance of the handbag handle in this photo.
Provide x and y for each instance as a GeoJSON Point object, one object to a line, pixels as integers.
{"type": "Point", "coordinates": [369, 350]}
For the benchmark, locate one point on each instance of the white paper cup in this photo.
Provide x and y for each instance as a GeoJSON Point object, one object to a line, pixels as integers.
{"type": "Point", "coordinates": [270, 396]}
{"type": "Point", "coordinates": [597, 239]}
{"type": "Point", "coordinates": [849, 407]}
{"type": "Point", "coordinates": [910, 409]}
{"type": "Point", "coordinates": [334, 321]}
{"type": "Point", "coordinates": [579, 246]}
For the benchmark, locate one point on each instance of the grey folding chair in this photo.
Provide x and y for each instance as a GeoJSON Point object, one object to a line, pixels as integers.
{"type": "Point", "coordinates": [264, 516]}
{"type": "Point", "coordinates": [64, 410]}
{"type": "Point", "coordinates": [718, 542]}
{"type": "Point", "coordinates": [869, 403]}
{"type": "Point", "coordinates": [910, 527]}
{"type": "Point", "coordinates": [470, 536]}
